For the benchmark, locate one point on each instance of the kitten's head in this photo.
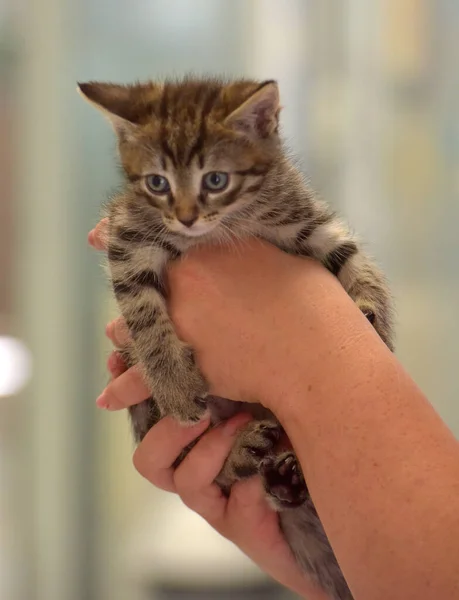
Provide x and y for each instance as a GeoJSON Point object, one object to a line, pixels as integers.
{"type": "Point", "coordinates": [193, 150]}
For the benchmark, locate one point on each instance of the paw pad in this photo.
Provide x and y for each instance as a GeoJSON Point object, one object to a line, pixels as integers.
{"type": "Point", "coordinates": [284, 481]}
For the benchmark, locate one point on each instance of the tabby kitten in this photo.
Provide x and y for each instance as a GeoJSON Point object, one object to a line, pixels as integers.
{"type": "Point", "coordinates": [204, 162]}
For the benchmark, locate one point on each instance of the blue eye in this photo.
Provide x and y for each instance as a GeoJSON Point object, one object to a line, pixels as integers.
{"type": "Point", "coordinates": [157, 184]}
{"type": "Point", "coordinates": [215, 181]}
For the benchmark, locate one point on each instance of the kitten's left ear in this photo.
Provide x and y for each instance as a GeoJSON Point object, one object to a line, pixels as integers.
{"type": "Point", "coordinates": [116, 102]}
{"type": "Point", "coordinates": [258, 116]}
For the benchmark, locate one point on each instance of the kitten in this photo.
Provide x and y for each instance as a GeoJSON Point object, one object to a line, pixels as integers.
{"type": "Point", "coordinates": [203, 161]}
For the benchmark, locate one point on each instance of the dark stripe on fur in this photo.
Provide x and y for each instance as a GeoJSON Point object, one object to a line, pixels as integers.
{"type": "Point", "coordinates": [122, 289]}
{"type": "Point", "coordinates": [147, 315]}
{"type": "Point", "coordinates": [338, 257]}
{"type": "Point", "coordinates": [118, 254]}
{"type": "Point", "coordinates": [163, 117]}
{"type": "Point", "coordinates": [153, 353]}
{"type": "Point", "coordinates": [255, 187]}
{"type": "Point", "coordinates": [148, 279]}
{"type": "Point", "coordinates": [153, 236]}
{"type": "Point", "coordinates": [128, 235]}
{"type": "Point", "coordinates": [173, 251]}
{"type": "Point", "coordinates": [244, 471]}
{"type": "Point", "coordinates": [167, 150]}
{"type": "Point", "coordinates": [304, 233]}
{"type": "Point", "coordinates": [254, 170]}
{"type": "Point", "coordinates": [198, 145]}
{"type": "Point", "coordinates": [231, 196]}
{"type": "Point", "coordinates": [132, 177]}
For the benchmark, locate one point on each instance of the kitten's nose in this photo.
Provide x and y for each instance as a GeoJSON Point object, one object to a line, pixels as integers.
{"type": "Point", "coordinates": [188, 221]}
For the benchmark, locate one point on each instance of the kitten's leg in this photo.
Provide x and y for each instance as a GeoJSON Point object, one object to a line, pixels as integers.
{"type": "Point", "coordinates": [336, 248]}
{"type": "Point", "coordinates": [366, 285]}
{"type": "Point", "coordinates": [326, 239]}
{"type": "Point", "coordinates": [167, 363]}
{"type": "Point", "coordinates": [147, 413]}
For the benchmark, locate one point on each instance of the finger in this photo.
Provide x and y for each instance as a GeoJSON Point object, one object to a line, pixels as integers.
{"type": "Point", "coordinates": [118, 332]}
{"type": "Point", "coordinates": [98, 237]}
{"type": "Point", "coordinates": [248, 514]}
{"type": "Point", "coordinates": [160, 448]}
{"type": "Point", "coordinates": [124, 391]}
{"type": "Point", "coordinates": [195, 477]}
{"type": "Point", "coordinates": [116, 364]}
{"type": "Point", "coordinates": [253, 525]}
{"type": "Point", "coordinates": [248, 502]}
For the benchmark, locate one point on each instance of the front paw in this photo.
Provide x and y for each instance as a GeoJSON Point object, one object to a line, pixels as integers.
{"type": "Point", "coordinates": [181, 389]}
{"type": "Point", "coordinates": [283, 481]}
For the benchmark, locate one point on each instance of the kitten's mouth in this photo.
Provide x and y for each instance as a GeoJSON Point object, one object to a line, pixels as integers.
{"type": "Point", "coordinates": [196, 230]}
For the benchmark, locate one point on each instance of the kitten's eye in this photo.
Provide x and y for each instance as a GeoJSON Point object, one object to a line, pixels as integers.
{"type": "Point", "coordinates": [157, 184]}
{"type": "Point", "coordinates": [215, 181]}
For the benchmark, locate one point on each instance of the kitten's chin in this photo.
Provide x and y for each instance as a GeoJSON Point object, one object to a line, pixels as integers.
{"type": "Point", "coordinates": [195, 231]}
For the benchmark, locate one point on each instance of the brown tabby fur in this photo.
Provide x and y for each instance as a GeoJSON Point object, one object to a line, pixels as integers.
{"type": "Point", "coordinates": [183, 131]}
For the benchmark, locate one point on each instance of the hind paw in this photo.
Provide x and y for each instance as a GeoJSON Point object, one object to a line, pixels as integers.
{"type": "Point", "coordinates": [283, 481]}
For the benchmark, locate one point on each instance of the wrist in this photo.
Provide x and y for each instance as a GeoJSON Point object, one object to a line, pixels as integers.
{"type": "Point", "coordinates": [322, 339]}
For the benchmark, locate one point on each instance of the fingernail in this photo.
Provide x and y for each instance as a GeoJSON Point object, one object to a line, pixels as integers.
{"type": "Point", "coordinates": [101, 401]}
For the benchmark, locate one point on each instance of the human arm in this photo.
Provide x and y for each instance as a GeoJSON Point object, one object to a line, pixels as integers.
{"type": "Point", "coordinates": [381, 466]}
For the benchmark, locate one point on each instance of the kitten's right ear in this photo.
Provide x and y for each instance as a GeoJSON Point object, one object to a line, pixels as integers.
{"type": "Point", "coordinates": [114, 101]}
{"type": "Point", "coordinates": [258, 116]}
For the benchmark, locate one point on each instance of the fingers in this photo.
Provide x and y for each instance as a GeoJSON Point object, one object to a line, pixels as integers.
{"type": "Point", "coordinates": [248, 503]}
{"type": "Point", "coordinates": [126, 390]}
{"type": "Point", "coordinates": [98, 237]}
{"type": "Point", "coordinates": [127, 387]}
{"type": "Point", "coordinates": [116, 364]}
{"type": "Point", "coordinates": [194, 478]}
{"type": "Point", "coordinates": [154, 457]}
{"type": "Point", "coordinates": [118, 332]}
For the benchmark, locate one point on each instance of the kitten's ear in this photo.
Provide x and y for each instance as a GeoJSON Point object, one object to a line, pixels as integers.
{"type": "Point", "coordinates": [114, 101]}
{"type": "Point", "coordinates": [258, 116]}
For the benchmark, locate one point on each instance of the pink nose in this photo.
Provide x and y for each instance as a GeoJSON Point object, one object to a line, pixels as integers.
{"type": "Point", "coordinates": [188, 221]}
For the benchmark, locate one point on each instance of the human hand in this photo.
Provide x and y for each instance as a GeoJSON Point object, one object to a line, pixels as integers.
{"type": "Point", "coordinates": [244, 518]}
{"type": "Point", "coordinates": [244, 316]}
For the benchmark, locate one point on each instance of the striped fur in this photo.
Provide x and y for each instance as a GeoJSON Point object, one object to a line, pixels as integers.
{"type": "Point", "coordinates": [181, 131]}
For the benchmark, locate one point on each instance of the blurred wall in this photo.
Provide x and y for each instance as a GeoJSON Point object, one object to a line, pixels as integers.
{"type": "Point", "coordinates": [370, 91]}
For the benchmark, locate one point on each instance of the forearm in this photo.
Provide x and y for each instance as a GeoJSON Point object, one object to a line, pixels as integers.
{"type": "Point", "coordinates": [381, 466]}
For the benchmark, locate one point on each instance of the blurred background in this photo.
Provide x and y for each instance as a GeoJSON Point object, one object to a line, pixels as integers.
{"type": "Point", "coordinates": [371, 96]}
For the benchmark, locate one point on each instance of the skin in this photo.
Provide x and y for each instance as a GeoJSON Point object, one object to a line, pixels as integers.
{"type": "Point", "coordinates": [378, 459]}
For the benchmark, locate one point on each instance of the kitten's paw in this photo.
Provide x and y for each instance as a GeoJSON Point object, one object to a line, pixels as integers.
{"type": "Point", "coordinates": [283, 481]}
{"type": "Point", "coordinates": [190, 410]}
{"type": "Point", "coordinates": [253, 444]}
{"type": "Point", "coordinates": [260, 438]}
{"type": "Point", "coordinates": [368, 311]}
